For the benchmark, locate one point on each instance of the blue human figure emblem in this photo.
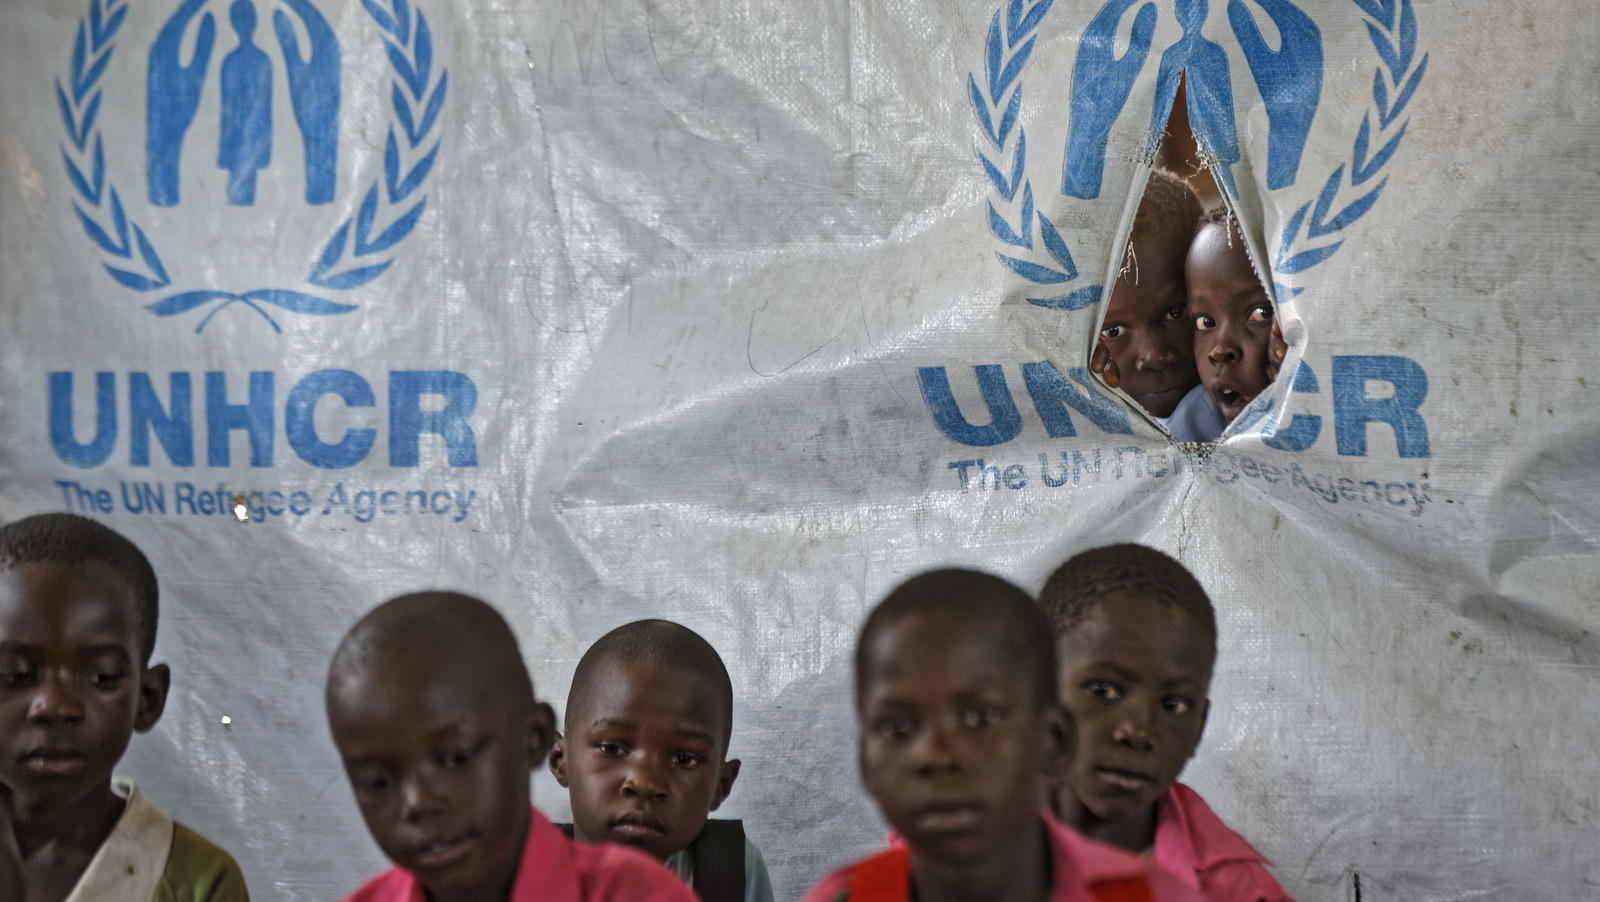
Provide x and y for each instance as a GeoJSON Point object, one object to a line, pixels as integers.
{"type": "Point", "coordinates": [245, 144]}
{"type": "Point", "coordinates": [174, 92]}
{"type": "Point", "coordinates": [1203, 66]}
{"type": "Point", "coordinates": [1101, 83]}
{"type": "Point", "coordinates": [1289, 79]}
{"type": "Point", "coordinates": [314, 92]}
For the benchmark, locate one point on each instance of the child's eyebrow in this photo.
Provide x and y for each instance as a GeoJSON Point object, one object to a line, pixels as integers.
{"type": "Point", "coordinates": [695, 735]}
{"type": "Point", "coordinates": [1118, 671]}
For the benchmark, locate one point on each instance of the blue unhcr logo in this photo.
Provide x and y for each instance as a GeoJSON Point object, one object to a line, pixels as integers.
{"type": "Point", "coordinates": [359, 250]}
{"type": "Point", "coordinates": [1288, 80]}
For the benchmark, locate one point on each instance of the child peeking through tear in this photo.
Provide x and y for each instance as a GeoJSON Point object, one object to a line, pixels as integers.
{"type": "Point", "coordinates": [1146, 344]}
{"type": "Point", "coordinates": [1237, 343]}
{"type": "Point", "coordinates": [1137, 639]}
{"type": "Point", "coordinates": [645, 757]}
{"type": "Point", "coordinates": [961, 735]}
{"type": "Point", "coordinates": [434, 715]}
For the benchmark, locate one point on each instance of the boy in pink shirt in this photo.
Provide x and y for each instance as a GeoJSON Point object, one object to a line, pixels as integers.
{"type": "Point", "coordinates": [435, 718]}
{"type": "Point", "coordinates": [1137, 641]}
{"type": "Point", "coordinates": [960, 735]}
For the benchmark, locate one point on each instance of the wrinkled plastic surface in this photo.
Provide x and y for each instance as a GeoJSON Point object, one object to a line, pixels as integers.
{"type": "Point", "coordinates": [693, 258]}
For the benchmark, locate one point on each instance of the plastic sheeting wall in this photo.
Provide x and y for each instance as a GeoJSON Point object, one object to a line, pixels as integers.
{"type": "Point", "coordinates": [649, 299]}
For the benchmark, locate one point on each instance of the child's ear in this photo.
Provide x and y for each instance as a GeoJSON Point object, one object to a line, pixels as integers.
{"type": "Point", "coordinates": [558, 761]}
{"type": "Point", "coordinates": [153, 686]}
{"type": "Point", "coordinates": [541, 733]}
{"type": "Point", "coordinates": [725, 778]}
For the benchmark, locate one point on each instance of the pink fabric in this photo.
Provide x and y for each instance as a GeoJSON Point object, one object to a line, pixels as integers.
{"type": "Point", "coordinates": [556, 869]}
{"type": "Point", "coordinates": [1194, 844]}
{"type": "Point", "coordinates": [1077, 862]}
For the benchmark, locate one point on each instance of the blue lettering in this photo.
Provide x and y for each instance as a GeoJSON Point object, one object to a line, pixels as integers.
{"type": "Point", "coordinates": [407, 419]}
{"type": "Point", "coordinates": [173, 426]}
{"type": "Point", "coordinates": [1353, 408]}
{"type": "Point", "coordinates": [1004, 420]}
{"type": "Point", "coordinates": [62, 437]}
{"type": "Point", "coordinates": [1303, 429]}
{"type": "Point", "coordinates": [254, 416]}
{"type": "Point", "coordinates": [300, 424]}
{"type": "Point", "coordinates": [1052, 394]}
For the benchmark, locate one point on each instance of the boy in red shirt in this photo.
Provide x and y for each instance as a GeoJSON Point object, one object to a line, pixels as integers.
{"type": "Point", "coordinates": [960, 734]}
{"type": "Point", "coordinates": [1137, 640]}
{"type": "Point", "coordinates": [435, 718]}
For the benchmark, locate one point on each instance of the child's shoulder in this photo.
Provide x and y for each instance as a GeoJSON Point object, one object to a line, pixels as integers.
{"type": "Point", "coordinates": [1192, 838]}
{"type": "Point", "coordinates": [1083, 867]}
{"type": "Point", "coordinates": [884, 876]}
{"type": "Point", "coordinates": [199, 870]}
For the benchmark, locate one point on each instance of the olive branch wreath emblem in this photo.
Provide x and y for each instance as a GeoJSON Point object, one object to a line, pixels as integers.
{"type": "Point", "coordinates": [408, 43]}
{"type": "Point", "coordinates": [997, 103]}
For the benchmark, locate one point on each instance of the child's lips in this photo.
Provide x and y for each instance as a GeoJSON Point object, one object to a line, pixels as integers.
{"type": "Point", "coordinates": [1125, 780]}
{"type": "Point", "coordinates": [54, 762]}
{"type": "Point", "coordinates": [948, 818]}
{"type": "Point", "coordinates": [635, 826]}
{"type": "Point", "coordinates": [440, 854]}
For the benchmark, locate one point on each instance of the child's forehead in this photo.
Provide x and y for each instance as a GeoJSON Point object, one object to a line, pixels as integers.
{"type": "Point", "coordinates": [1121, 618]}
{"type": "Point", "coordinates": [648, 687]}
{"type": "Point", "coordinates": [87, 595]}
{"type": "Point", "coordinates": [938, 639]}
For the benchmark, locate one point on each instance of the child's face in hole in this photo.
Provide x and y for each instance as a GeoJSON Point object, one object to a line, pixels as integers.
{"type": "Point", "coordinates": [439, 759]}
{"type": "Point", "coordinates": [1232, 316]}
{"type": "Point", "coordinates": [1147, 332]}
{"type": "Point", "coordinates": [644, 757]}
{"type": "Point", "coordinates": [73, 688]}
{"type": "Point", "coordinates": [1134, 674]}
{"type": "Point", "coordinates": [954, 747]}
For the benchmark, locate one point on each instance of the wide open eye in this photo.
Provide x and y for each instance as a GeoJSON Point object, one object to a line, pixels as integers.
{"type": "Point", "coordinates": [1260, 314]}
{"type": "Point", "coordinates": [1204, 322]}
{"type": "Point", "coordinates": [1114, 331]}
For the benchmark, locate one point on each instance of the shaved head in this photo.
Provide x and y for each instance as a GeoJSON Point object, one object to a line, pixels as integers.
{"type": "Point", "coordinates": [433, 633]}
{"type": "Point", "coordinates": [671, 645]}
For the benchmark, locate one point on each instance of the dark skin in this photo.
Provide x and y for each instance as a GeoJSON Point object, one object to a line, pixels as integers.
{"type": "Point", "coordinates": [1134, 675]}
{"type": "Point", "coordinates": [959, 755]}
{"type": "Point", "coordinates": [74, 688]}
{"type": "Point", "coordinates": [1237, 344]}
{"type": "Point", "coordinates": [644, 757]}
{"type": "Point", "coordinates": [1146, 344]}
{"type": "Point", "coordinates": [438, 741]}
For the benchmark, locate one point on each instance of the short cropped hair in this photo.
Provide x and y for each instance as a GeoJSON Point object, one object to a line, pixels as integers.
{"type": "Point", "coordinates": [1167, 213]}
{"type": "Point", "coordinates": [72, 539]}
{"type": "Point", "coordinates": [663, 642]}
{"type": "Point", "coordinates": [980, 598]}
{"type": "Point", "coordinates": [1089, 578]}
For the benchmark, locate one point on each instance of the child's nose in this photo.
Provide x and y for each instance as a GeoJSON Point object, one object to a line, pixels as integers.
{"type": "Point", "coordinates": [1133, 730]}
{"type": "Point", "coordinates": [935, 751]}
{"type": "Point", "coordinates": [645, 780]}
{"type": "Point", "coordinates": [55, 701]}
{"type": "Point", "coordinates": [1226, 348]}
{"type": "Point", "coordinates": [1152, 354]}
{"type": "Point", "coordinates": [418, 799]}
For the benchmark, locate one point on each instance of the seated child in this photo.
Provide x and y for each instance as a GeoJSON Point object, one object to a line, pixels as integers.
{"type": "Point", "coordinates": [960, 734]}
{"type": "Point", "coordinates": [1236, 343]}
{"type": "Point", "coordinates": [648, 722]}
{"type": "Point", "coordinates": [78, 605]}
{"type": "Point", "coordinates": [1137, 638]}
{"type": "Point", "coordinates": [434, 715]}
{"type": "Point", "coordinates": [1146, 344]}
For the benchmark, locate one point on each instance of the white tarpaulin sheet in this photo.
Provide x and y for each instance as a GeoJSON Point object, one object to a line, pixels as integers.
{"type": "Point", "coordinates": [739, 311]}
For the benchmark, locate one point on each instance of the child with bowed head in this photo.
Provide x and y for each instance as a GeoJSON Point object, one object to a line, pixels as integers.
{"type": "Point", "coordinates": [434, 715]}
